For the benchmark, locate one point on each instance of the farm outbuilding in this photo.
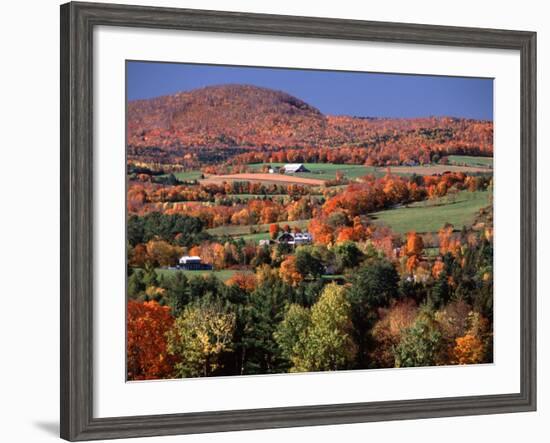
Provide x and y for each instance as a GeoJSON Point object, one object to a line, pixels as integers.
{"type": "Point", "coordinates": [266, 242]}
{"type": "Point", "coordinates": [193, 263]}
{"type": "Point", "coordinates": [286, 237]}
{"type": "Point", "coordinates": [293, 168]}
{"type": "Point", "coordinates": [299, 238]}
{"type": "Point", "coordinates": [302, 238]}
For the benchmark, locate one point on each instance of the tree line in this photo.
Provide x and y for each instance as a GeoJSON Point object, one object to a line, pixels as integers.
{"type": "Point", "coordinates": [269, 323]}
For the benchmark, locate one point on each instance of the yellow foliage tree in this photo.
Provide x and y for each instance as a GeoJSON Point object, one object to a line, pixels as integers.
{"type": "Point", "coordinates": [319, 339]}
{"type": "Point", "coordinates": [198, 338]}
{"type": "Point", "coordinates": [162, 253]}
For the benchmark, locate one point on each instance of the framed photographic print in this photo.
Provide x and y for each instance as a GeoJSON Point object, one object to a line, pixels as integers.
{"type": "Point", "coordinates": [273, 221]}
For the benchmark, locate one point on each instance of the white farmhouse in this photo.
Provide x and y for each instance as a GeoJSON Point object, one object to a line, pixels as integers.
{"type": "Point", "coordinates": [302, 238]}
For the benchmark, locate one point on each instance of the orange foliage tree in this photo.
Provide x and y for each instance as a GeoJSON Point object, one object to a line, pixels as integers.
{"type": "Point", "coordinates": [247, 282]}
{"type": "Point", "coordinates": [437, 268]}
{"type": "Point", "coordinates": [415, 244]}
{"type": "Point", "coordinates": [289, 272]}
{"type": "Point", "coordinates": [274, 231]}
{"type": "Point", "coordinates": [468, 350]}
{"type": "Point", "coordinates": [321, 231]}
{"type": "Point", "coordinates": [388, 330]}
{"type": "Point", "coordinates": [413, 250]}
{"type": "Point", "coordinates": [444, 235]}
{"type": "Point", "coordinates": [147, 357]}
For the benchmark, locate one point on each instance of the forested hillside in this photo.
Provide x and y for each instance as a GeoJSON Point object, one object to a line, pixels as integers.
{"type": "Point", "coordinates": [217, 122]}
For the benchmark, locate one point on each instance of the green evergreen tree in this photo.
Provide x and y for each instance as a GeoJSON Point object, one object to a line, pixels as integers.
{"type": "Point", "coordinates": [264, 312]}
{"type": "Point", "coordinates": [177, 292]}
{"type": "Point", "coordinates": [420, 344]}
{"type": "Point", "coordinates": [150, 277]}
{"type": "Point", "coordinates": [374, 284]}
{"type": "Point", "coordinates": [307, 263]}
{"type": "Point", "coordinates": [136, 286]}
{"type": "Point", "coordinates": [348, 255]}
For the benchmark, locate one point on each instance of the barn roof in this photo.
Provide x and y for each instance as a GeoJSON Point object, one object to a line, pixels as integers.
{"type": "Point", "coordinates": [291, 167]}
{"type": "Point", "coordinates": [187, 258]}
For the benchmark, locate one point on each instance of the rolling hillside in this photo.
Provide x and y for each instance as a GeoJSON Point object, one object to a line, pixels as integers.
{"type": "Point", "coordinates": [225, 116]}
{"type": "Point", "coordinates": [246, 124]}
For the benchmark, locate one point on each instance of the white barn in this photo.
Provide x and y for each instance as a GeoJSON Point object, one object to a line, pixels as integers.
{"type": "Point", "coordinates": [189, 259]}
{"type": "Point", "coordinates": [193, 263]}
{"type": "Point", "coordinates": [293, 168]}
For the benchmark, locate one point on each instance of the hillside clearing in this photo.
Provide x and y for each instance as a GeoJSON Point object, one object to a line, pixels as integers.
{"type": "Point", "coordinates": [431, 215]}
{"type": "Point", "coordinates": [250, 231]}
{"type": "Point", "coordinates": [186, 175]}
{"type": "Point", "coordinates": [470, 160]}
{"type": "Point", "coordinates": [327, 171]}
{"type": "Point", "coordinates": [324, 171]}
{"type": "Point", "coordinates": [256, 237]}
{"type": "Point", "coordinates": [224, 274]}
{"type": "Point", "coordinates": [436, 169]}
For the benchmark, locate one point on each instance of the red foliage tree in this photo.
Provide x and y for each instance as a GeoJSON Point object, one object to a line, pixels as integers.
{"type": "Point", "coordinates": [147, 324]}
{"type": "Point", "coordinates": [274, 231]}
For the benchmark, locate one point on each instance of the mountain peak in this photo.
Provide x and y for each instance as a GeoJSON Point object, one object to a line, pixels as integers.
{"type": "Point", "coordinates": [231, 114]}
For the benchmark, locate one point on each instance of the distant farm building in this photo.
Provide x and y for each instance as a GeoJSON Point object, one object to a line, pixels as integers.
{"type": "Point", "coordinates": [286, 237]}
{"type": "Point", "coordinates": [293, 168]}
{"type": "Point", "coordinates": [193, 263]}
{"type": "Point", "coordinates": [302, 238]}
{"type": "Point", "coordinates": [266, 242]}
{"type": "Point", "coordinates": [297, 239]}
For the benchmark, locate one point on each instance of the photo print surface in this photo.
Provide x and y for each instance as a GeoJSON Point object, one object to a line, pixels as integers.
{"type": "Point", "coordinates": [288, 220]}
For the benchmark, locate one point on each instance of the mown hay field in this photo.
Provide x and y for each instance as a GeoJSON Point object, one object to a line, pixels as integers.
{"type": "Point", "coordinates": [264, 178]}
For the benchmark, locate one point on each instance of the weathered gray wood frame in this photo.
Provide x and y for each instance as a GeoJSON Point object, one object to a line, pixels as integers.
{"type": "Point", "coordinates": [77, 24]}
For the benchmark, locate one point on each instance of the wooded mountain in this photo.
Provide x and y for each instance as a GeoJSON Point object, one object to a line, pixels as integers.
{"type": "Point", "coordinates": [226, 115]}
{"type": "Point", "coordinates": [251, 117]}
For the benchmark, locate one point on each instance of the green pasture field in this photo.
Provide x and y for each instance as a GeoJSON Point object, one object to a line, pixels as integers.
{"type": "Point", "coordinates": [431, 215]}
{"type": "Point", "coordinates": [255, 237]}
{"type": "Point", "coordinates": [224, 274]}
{"type": "Point", "coordinates": [186, 175]}
{"type": "Point", "coordinates": [246, 231]}
{"type": "Point", "coordinates": [469, 160]}
{"type": "Point", "coordinates": [325, 171]}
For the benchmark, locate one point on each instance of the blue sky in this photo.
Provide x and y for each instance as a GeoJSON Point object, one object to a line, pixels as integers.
{"type": "Point", "coordinates": [332, 92]}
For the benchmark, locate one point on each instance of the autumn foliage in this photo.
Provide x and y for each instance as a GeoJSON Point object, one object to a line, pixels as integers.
{"type": "Point", "coordinates": [147, 357]}
{"type": "Point", "coordinates": [289, 272]}
{"type": "Point", "coordinates": [355, 291]}
{"type": "Point", "coordinates": [246, 282]}
{"type": "Point", "coordinates": [468, 350]}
